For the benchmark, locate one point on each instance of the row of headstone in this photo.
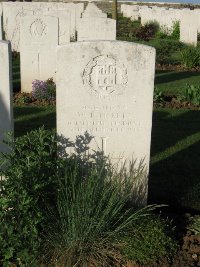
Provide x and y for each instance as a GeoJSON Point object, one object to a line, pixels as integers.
{"type": "Point", "coordinates": [14, 12]}
{"type": "Point", "coordinates": [6, 110]}
{"type": "Point", "coordinates": [166, 17]}
{"type": "Point", "coordinates": [109, 94]}
{"type": "Point", "coordinates": [94, 25]}
{"type": "Point", "coordinates": [42, 34]}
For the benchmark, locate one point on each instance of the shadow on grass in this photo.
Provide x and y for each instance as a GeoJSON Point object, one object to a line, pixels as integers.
{"type": "Point", "coordinates": [175, 159]}
{"type": "Point", "coordinates": [175, 153]}
{"type": "Point", "coordinates": [28, 118]}
{"type": "Point", "coordinates": [169, 76]}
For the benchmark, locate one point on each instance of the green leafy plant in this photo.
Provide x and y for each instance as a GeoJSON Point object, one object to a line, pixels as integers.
{"type": "Point", "coordinates": [149, 240]}
{"type": "Point", "coordinates": [29, 184]}
{"type": "Point", "coordinates": [63, 209]}
{"type": "Point", "coordinates": [191, 93]}
{"type": "Point", "coordinates": [158, 96]}
{"type": "Point", "coordinates": [167, 50]}
{"type": "Point", "coordinates": [194, 225]}
{"type": "Point", "coordinates": [190, 57]}
{"type": "Point", "coordinates": [162, 33]}
{"type": "Point", "coordinates": [146, 32]}
{"type": "Point", "coordinates": [175, 31]}
{"type": "Point", "coordinates": [170, 34]}
{"type": "Point", "coordinates": [22, 98]}
{"type": "Point", "coordinates": [126, 28]}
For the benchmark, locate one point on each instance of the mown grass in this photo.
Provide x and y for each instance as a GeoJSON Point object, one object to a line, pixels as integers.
{"type": "Point", "coordinates": [16, 74]}
{"type": "Point", "coordinates": [175, 151]}
{"type": "Point", "coordinates": [29, 118]}
{"type": "Point", "coordinates": [175, 156]}
{"type": "Point", "coordinates": [169, 82]}
{"type": "Point", "coordinates": [173, 82]}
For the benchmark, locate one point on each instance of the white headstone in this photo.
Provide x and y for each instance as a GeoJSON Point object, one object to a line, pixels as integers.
{"type": "Point", "coordinates": [93, 11]}
{"type": "Point", "coordinates": [165, 17]}
{"type": "Point", "coordinates": [6, 111]}
{"type": "Point", "coordinates": [14, 11]}
{"type": "Point", "coordinates": [71, 8]}
{"type": "Point", "coordinates": [96, 29]}
{"type": "Point", "coordinates": [130, 11]}
{"type": "Point", "coordinates": [64, 19]}
{"type": "Point", "coordinates": [197, 11]}
{"type": "Point", "coordinates": [189, 28]}
{"type": "Point", "coordinates": [12, 14]}
{"type": "Point", "coordinates": [38, 42]}
{"type": "Point", "coordinates": [106, 89]}
{"type": "Point", "coordinates": [146, 15]}
{"type": "Point", "coordinates": [79, 11]}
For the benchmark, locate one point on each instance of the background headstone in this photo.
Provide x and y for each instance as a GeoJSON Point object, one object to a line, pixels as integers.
{"type": "Point", "coordinates": [93, 11]}
{"type": "Point", "coordinates": [6, 110]}
{"type": "Point", "coordinates": [106, 89]}
{"type": "Point", "coordinates": [189, 28]}
{"type": "Point", "coordinates": [38, 42]}
{"type": "Point", "coordinates": [71, 8]}
{"type": "Point", "coordinates": [64, 20]}
{"type": "Point", "coordinates": [14, 11]}
{"type": "Point", "coordinates": [96, 29]}
{"type": "Point", "coordinates": [12, 14]}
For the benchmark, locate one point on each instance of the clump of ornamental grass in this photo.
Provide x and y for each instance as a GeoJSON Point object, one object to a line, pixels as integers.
{"type": "Point", "coordinates": [60, 209]}
{"type": "Point", "coordinates": [190, 57]}
{"type": "Point", "coordinates": [92, 214]}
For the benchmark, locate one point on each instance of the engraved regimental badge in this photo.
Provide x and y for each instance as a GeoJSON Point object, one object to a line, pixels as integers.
{"type": "Point", "coordinates": [105, 76]}
{"type": "Point", "coordinates": [38, 28]}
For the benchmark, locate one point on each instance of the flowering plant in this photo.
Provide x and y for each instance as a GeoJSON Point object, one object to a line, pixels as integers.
{"type": "Point", "coordinates": [44, 90]}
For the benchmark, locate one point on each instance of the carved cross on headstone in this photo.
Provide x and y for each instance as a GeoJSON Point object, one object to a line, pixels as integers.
{"type": "Point", "coordinates": [104, 143]}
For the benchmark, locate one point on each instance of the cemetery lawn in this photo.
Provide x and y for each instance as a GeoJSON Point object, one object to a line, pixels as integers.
{"type": "Point", "coordinates": [168, 81]}
{"type": "Point", "coordinates": [27, 118]}
{"type": "Point", "coordinates": [175, 156]}
{"type": "Point", "coordinates": [175, 151]}
{"type": "Point", "coordinates": [173, 82]}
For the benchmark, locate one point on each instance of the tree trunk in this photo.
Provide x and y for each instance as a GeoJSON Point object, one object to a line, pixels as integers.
{"type": "Point", "coordinates": [114, 10]}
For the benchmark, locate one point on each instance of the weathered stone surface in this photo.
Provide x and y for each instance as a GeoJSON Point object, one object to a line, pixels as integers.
{"type": "Point", "coordinates": [189, 28]}
{"type": "Point", "coordinates": [12, 15]}
{"type": "Point", "coordinates": [64, 18]}
{"type": "Point", "coordinates": [38, 42]}
{"type": "Point", "coordinates": [93, 11]}
{"type": "Point", "coordinates": [197, 11]}
{"type": "Point", "coordinates": [14, 11]}
{"type": "Point", "coordinates": [96, 29]}
{"type": "Point", "coordinates": [130, 11]}
{"type": "Point", "coordinates": [79, 11]}
{"type": "Point", "coordinates": [165, 17]}
{"type": "Point", "coordinates": [6, 110]}
{"type": "Point", "coordinates": [71, 8]}
{"type": "Point", "coordinates": [106, 89]}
